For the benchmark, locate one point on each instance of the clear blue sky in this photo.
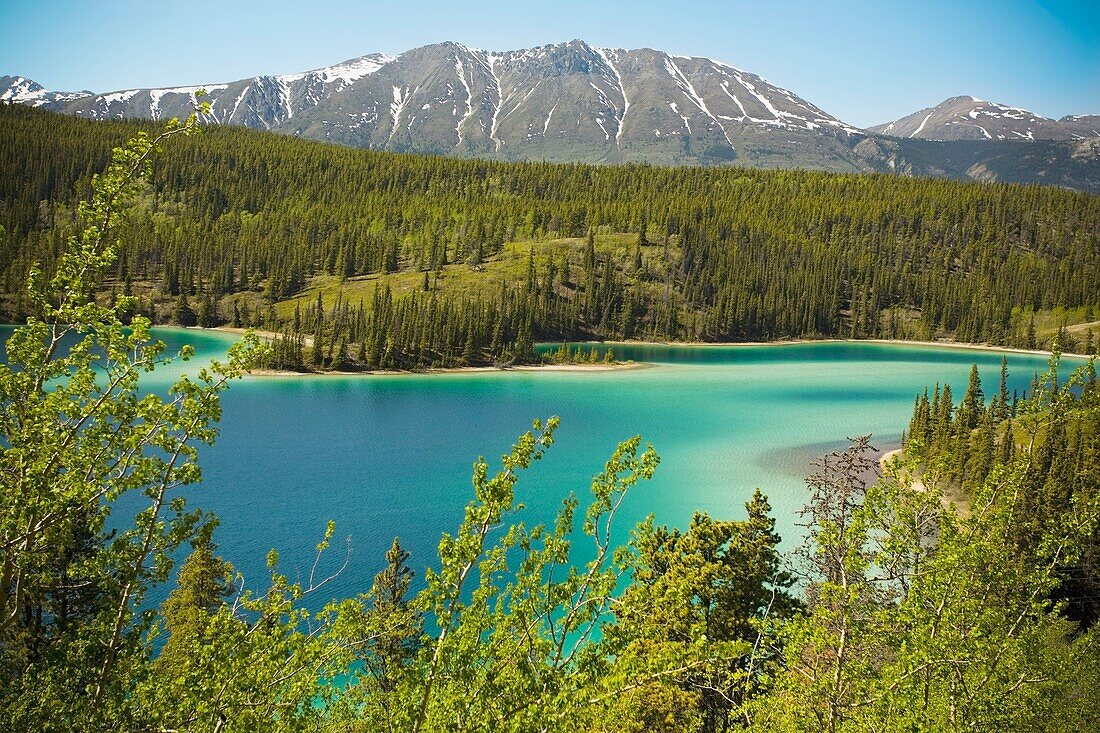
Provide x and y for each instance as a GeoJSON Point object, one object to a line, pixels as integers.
{"type": "Point", "coordinates": [865, 62]}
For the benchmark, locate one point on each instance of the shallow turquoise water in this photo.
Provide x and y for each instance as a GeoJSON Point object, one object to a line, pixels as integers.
{"type": "Point", "coordinates": [386, 455]}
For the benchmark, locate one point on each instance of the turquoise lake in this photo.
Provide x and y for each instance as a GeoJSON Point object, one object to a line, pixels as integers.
{"type": "Point", "coordinates": [391, 455]}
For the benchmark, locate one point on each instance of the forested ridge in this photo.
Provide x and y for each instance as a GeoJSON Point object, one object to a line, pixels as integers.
{"type": "Point", "coordinates": [402, 261]}
{"type": "Point", "coordinates": [965, 600]}
{"type": "Point", "coordinates": [1056, 426]}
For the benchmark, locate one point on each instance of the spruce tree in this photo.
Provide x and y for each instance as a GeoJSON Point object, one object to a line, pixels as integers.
{"type": "Point", "coordinates": [182, 313]}
{"type": "Point", "coordinates": [973, 403]}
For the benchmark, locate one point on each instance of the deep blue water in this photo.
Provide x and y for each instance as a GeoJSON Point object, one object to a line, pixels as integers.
{"type": "Point", "coordinates": [391, 455]}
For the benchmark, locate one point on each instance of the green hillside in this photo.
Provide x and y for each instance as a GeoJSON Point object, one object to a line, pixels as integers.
{"type": "Point", "coordinates": [424, 261]}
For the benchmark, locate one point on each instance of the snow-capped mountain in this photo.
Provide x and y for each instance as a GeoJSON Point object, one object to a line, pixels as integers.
{"type": "Point", "coordinates": [970, 118]}
{"type": "Point", "coordinates": [562, 101]}
{"type": "Point", "coordinates": [24, 91]}
{"type": "Point", "coordinates": [577, 102]}
{"type": "Point", "coordinates": [262, 101]}
{"type": "Point", "coordinates": [568, 100]}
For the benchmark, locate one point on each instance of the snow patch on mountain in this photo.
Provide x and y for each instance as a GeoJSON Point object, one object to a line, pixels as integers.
{"type": "Point", "coordinates": [21, 90]}
{"type": "Point", "coordinates": [606, 55]}
{"type": "Point", "coordinates": [969, 118]}
{"type": "Point", "coordinates": [401, 97]}
{"type": "Point", "coordinates": [492, 63]}
{"type": "Point", "coordinates": [922, 124]}
{"type": "Point", "coordinates": [345, 73]}
{"type": "Point", "coordinates": [460, 70]}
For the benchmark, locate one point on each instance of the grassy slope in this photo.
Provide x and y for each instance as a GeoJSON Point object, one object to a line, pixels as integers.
{"type": "Point", "coordinates": [510, 267]}
{"type": "Point", "coordinates": [460, 279]}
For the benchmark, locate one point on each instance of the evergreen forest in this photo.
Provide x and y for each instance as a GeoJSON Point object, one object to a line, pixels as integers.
{"type": "Point", "coordinates": [371, 260]}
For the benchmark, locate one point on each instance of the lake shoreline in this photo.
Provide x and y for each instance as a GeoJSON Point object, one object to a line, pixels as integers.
{"type": "Point", "coordinates": [619, 366]}
{"type": "Point", "coordinates": [598, 367]}
{"type": "Point", "coordinates": [624, 366]}
{"type": "Point", "coordinates": [797, 342]}
{"type": "Point", "coordinates": [886, 457]}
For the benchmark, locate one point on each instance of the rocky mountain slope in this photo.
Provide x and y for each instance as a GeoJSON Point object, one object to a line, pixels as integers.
{"type": "Point", "coordinates": [576, 102]}
{"type": "Point", "coordinates": [1082, 125]}
{"type": "Point", "coordinates": [26, 91]}
{"type": "Point", "coordinates": [261, 102]}
{"type": "Point", "coordinates": [568, 101]}
{"type": "Point", "coordinates": [970, 118]}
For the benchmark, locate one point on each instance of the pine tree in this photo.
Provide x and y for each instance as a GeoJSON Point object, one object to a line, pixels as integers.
{"type": "Point", "coordinates": [342, 358]}
{"type": "Point", "coordinates": [397, 643]}
{"type": "Point", "coordinates": [944, 410]}
{"type": "Point", "coordinates": [1000, 406]}
{"type": "Point", "coordinates": [182, 313]}
{"type": "Point", "coordinates": [469, 354]}
{"type": "Point", "coordinates": [205, 581]}
{"type": "Point", "coordinates": [206, 315]}
{"type": "Point", "coordinates": [973, 404]}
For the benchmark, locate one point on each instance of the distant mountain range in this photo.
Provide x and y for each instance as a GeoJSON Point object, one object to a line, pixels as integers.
{"type": "Point", "coordinates": [576, 102]}
{"type": "Point", "coordinates": [970, 118]}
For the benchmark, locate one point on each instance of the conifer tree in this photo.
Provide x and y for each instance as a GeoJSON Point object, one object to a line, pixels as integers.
{"type": "Point", "coordinates": [973, 404]}
{"type": "Point", "coordinates": [182, 313]}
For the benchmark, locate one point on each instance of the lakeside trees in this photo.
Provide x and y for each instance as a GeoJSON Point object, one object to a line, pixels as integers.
{"type": "Point", "coordinates": [1051, 438]}
{"type": "Point", "coordinates": [77, 436]}
{"type": "Point", "coordinates": [933, 620]}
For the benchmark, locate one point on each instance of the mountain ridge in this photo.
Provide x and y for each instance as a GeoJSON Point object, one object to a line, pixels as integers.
{"type": "Point", "coordinates": [509, 101]}
{"type": "Point", "coordinates": [967, 117]}
{"type": "Point", "coordinates": [572, 101]}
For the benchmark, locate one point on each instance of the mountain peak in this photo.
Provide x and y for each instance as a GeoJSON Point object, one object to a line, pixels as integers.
{"type": "Point", "coordinates": [347, 71]}
{"type": "Point", "coordinates": [22, 90]}
{"type": "Point", "coordinates": [970, 118]}
{"type": "Point", "coordinates": [564, 101]}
